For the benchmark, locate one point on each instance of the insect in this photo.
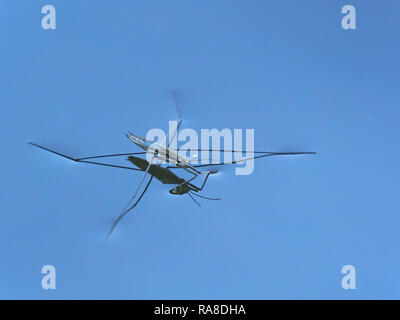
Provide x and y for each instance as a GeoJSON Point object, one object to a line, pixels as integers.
{"type": "Point", "coordinates": [164, 154]}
